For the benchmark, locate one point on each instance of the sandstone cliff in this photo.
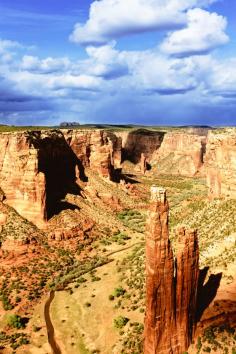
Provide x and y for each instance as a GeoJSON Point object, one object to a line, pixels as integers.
{"type": "Point", "coordinates": [22, 182]}
{"type": "Point", "coordinates": [220, 163]}
{"type": "Point", "coordinates": [171, 286]}
{"type": "Point", "coordinates": [138, 142]}
{"type": "Point", "coordinates": [37, 169]}
{"type": "Point", "coordinates": [180, 154]}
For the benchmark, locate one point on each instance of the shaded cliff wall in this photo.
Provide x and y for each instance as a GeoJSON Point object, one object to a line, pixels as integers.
{"type": "Point", "coordinates": [171, 284]}
{"type": "Point", "coordinates": [220, 163]}
{"type": "Point", "coordinates": [37, 169]}
{"type": "Point", "coordinates": [138, 142]}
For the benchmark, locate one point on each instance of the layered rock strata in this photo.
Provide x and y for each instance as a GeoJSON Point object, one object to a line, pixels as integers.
{"type": "Point", "coordinates": [180, 154]}
{"type": "Point", "coordinates": [171, 285]}
{"type": "Point", "coordinates": [37, 169]}
{"type": "Point", "coordinates": [220, 163]}
{"type": "Point", "coordinates": [138, 142]}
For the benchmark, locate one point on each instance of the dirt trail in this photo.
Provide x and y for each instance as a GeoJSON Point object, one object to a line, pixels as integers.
{"type": "Point", "coordinates": [50, 329]}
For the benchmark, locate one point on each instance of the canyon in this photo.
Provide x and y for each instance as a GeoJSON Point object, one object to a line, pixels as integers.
{"type": "Point", "coordinates": [37, 169]}
{"type": "Point", "coordinates": [75, 200]}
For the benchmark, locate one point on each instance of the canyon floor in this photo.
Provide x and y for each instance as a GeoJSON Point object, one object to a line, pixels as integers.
{"type": "Point", "coordinates": [90, 315]}
{"type": "Point", "coordinates": [98, 279]}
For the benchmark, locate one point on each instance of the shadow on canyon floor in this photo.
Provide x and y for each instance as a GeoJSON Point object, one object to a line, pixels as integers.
{"type": "Point", "coordinates": [129, 178]}
{"type": "Point", "coordinates": [206, 291]}
{"type": "Point", "coordinates": [59, 206]}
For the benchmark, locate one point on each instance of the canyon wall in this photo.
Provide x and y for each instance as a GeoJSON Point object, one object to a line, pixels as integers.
{"type": "Point", "coordinates": [180, 154]}
{"type": "Point", "coordinates": [20, 179]}
{"type": "Point", "coordinates": [37, 169]}
{"type": "Point", "coordinates": [138, 142]}
{"type": "Point", "coordinates": [171, 285]}
{"type": "Point", "coordinates": [220, 163]}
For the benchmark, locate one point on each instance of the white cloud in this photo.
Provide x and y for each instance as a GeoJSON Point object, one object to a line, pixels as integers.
{"type": "Point", "coordinates": [221, 80]}
{"type": "Point", "coordinates": [110, 19]}
{"type": "Point", "coordinates": [80, 82]}
{"type": "Point", "coordinates": [204, 32]}
{"type": "Point", "coordinates": [7, 49]}
{"type": "Point", "coordinates": [6, 44]}
{"type": "Point", "coordinates": [48, 65]}
{"type": "Point", "coordinates": [155, 73]}
{"type": "Point", "coordinates": [106, 62]}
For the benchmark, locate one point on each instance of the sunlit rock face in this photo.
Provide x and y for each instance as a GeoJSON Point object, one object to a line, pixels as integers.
{"type": "Point", "coordinates": [22, 182]}
{"type": "Point", "coordinates": [38, 169]}
{"type": "Point", "coordinates": [180, 154]}
{"type": "Point", "coordinates": [171, 285]}
{"type": "Point", "coordinates": [220, 164]}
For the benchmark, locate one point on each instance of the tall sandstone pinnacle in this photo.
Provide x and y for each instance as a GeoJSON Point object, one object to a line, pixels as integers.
{"type": "Point", "coordinates": [171, 284]}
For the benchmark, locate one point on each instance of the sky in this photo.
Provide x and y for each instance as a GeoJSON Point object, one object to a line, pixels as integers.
{"type": "Point", "coordinates": [153, 62]}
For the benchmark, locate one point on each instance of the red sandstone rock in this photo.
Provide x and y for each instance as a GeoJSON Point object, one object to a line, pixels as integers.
{"type": "Point", "coordinates": [143, 164]}
{"type": "Point", "coordinates": [38, 168]}
{"type": "Point", "coordinates": [170, 288]}
{"type": "Point", "coordinates": [139, 141]}
{"type": "Point", "coordinates": [109, 199]}
{"type": "Point", "coordinates": [180, 154]}
{"type": "Point", "coordinates": [23, 184]}
{"type": "Point", "coordinates": [220, 164]}
{"type": "Point", "coordinates": [187, 273]}
{"type": "Point", "coordinates": [159, 318]}
{"type": "Point", "coordinates": [3, 218]}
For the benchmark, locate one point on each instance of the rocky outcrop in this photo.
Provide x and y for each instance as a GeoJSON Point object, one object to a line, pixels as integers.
{"type": "Point", "coordinates": [108, 199]}
{"type": "Point", "coordinates": [171, 286]}
{"type": "Point", "coordinates": [99, 149]}
{"type": "Point", "coordinates": [38, 169]}
{"type": "Point", "coordinates": [220, 163]}
{"type": "Point", "coordinates": [138, 142]}
{"type": "Point", "coordinates": [186, 280]}
{"type": "Point", "coordinates": [180, 154]}
{"type": "Point", "coordinates": [143, 164]}
{"type": "Point", "coordinates": [159, 319]}
{"type": "Point", "coordinates": [20, 178]}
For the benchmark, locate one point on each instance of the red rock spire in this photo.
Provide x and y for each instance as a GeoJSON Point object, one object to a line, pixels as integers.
{"type": "Point", "coordinates": [170, 286]}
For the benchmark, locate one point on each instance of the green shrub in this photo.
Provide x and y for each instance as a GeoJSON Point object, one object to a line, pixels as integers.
{"type": "Point", "coordinates": [120, 322]}
{"type": "Point", "coordinates": [16, 321]}
{"type": "Point", "coordinates": [119, 291]}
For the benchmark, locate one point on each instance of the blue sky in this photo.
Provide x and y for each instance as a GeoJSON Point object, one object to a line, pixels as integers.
{"type": "Point", "coordinates": [118, 61]}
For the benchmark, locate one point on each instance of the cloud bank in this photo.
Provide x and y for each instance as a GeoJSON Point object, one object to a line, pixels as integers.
{"type": "Point", "coordinates": [178, 79]}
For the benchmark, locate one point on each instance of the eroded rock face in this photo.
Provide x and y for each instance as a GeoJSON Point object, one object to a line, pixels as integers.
{"type": "Point", "coordinates": [37, 169]}
{"type": "Point", "coordinates": [99, 149]}
{"type": "Point", "coordinates": [159, 318]}
{"type": "Point", "coordinates": [143, 164]}
{"type": "Point", "coordinates": [138, 142]}
{"type": "Point", "coordinates": [20, 178]}
{"type": "Point", "coordinates": [220, 164]}
{"type": "Point", "coordinates": [187, 274]}
{"type": "Point", "coordinates": [171, 286]}
{"type": "Point", "coordinates": [180, 154]}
